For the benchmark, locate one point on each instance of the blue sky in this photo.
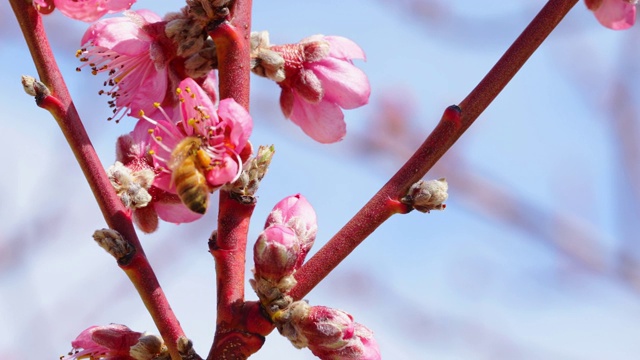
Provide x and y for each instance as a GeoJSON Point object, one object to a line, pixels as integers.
{"type": "Point", "coordinates": [466, 283]}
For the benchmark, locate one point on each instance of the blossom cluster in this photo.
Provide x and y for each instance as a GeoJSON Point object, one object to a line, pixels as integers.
{"type": "Point", "coordinates": [289, 233]}
{"type": "Point", "coordinates": [186, 143]}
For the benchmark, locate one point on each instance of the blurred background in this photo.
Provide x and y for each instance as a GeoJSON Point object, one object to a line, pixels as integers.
{"type": "Point", "coordinates": [537, 255]}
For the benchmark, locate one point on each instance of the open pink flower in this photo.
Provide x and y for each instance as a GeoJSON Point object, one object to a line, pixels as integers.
{"type": "Point", "coordinates": [133, 178]}
{"type": "Point", "coordinates": [112, 341]}
{"type": "Point", "coordinates": [116, 342]}
{"type": "Point", "coordinates": [212, 141]}
{"type": "Point", "coordinates": [129, 49]}
{"type": "Point", "coordinates": [85, 10]}
{"type": "Point", "coordinates": [614, 14]}
{"type": "Point", "coordinates": [320, 81]}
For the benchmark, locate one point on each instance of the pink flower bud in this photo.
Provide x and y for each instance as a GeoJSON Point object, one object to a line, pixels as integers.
{"type": "Point", "coordinates": [276, 253]}
{"type": "Point", "coordinates": [332, 334]}
{"type": "Point", "coordinates": [296, 213]}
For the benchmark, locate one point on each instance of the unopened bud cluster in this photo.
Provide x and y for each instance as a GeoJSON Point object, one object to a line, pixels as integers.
{"type": "Point", "coordinates": [253, 171]}
{"type": "Point", "coordinates": [328, 333]}
{"type": "Point", "coordinates": [289, 234]}
{"type": "Point", "coordinates": [131, 186]}
{"type": "Point", "coordinates": [281, 248]}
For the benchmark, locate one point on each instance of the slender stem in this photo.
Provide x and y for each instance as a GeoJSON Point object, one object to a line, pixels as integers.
{"type": "Point", "coordinates": [233, 48]}
{"type": "Point", "coordinates": [117, 217]}
{"type": "Point", "coordinates": [236, 335]}
{"type": "Point", "coordinates": [228, 249]}
{"type": "Point", "coordinates": [452, 125]}
{"type": "Point", "coordinates": [233, 340]}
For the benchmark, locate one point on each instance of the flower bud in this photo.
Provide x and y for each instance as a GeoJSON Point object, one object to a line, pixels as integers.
{"type": "Point", "coordinates": [113, 243]}
{"type": "Point", "coordinates": [429, 195]}
{"type": "Point", "coordinates": [131, 186]}
{"type": "Point", "coordinates": [148, 347]}
{"type": "Point", "coordinates": [332, 334]}
{"type": "Point", "coordinates": [276, 253]}
{"type": "Point", "coordinates": [296, 213]}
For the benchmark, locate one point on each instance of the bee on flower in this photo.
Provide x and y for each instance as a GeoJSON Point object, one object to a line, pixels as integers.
{"type": "Point", "coordinates": [200, 148]}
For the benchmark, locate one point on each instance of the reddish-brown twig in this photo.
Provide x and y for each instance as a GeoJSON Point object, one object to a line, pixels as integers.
{"type": "Point", "coordinates": [446, 133]}
{"type": "Point", "coordinates": [60, 105]}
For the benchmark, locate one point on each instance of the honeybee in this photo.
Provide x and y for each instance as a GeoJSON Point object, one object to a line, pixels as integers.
{"type": "Point", "coordinates": [188, 163]}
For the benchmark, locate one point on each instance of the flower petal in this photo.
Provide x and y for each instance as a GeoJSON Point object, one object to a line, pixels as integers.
{"type": "Point", "coordinates": [238, 119]}
{"type": "Point", "coordinates": [146, 218]}
{"type": "Point", "coordinates": [197, 108]}
{"type": "Point", "coordinates": [323, 122]}
{"type": "Point", "coordinates": [342, 82]}
{"type": "Point", "coordinates": [171, 209]}
{"type": "Point", "coordinates": [123, 34]}
{"type": "Point", "coordinates": [224, 172]}
{"type": "Point", "coordinates": [345, 49]}
{"type": "Point", "coordinates": [616, 14]}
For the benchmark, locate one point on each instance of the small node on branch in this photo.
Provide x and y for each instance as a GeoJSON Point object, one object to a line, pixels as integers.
{"type": "Point", "coordinates": [149, 346]}
{"type": "Point", "coordinates": [264, 61]}
{"type": "Point", "coordinates": [208, 11]}
{"type": "Point", "coordinates": [185, 348]}
{"type": "Point", "coordinates": [246, 186]}
{"type": "Point", "coordinates": [35, 88]}
{"type": "Point", "coordinates": [113, 243]}
{"type": "Point", "coordinates": [425, 196]}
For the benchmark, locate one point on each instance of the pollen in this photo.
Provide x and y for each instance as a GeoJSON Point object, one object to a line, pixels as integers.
{"type": "Point", "coordinates": [156, 105]}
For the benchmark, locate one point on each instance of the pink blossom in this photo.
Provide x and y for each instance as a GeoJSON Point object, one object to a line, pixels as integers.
{"type": "Point", "coordinates": [132, 183]}
{"type": "Point", "coordinates": [320, 81]}
{"type": "Point", "coordinates": [85, 10]}
{"type": "Point", "coordinates": [112, 341]}
{"type": "Point", "coordinates": [219, 135]}
{"type": "Point", "coordinates": [614, 14]}
{"type": "Point", "coordinates": [130, 50]}
{"type": "Point", "coordinates": [296, 213]}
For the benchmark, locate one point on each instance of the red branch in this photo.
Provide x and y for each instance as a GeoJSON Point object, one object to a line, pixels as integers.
{"type": "Point", "coordinates": [240, 325]}
{"type": "Point", "coordinates": [447, 132]}
{"type": "Point", "coordinates": [117, 217]}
